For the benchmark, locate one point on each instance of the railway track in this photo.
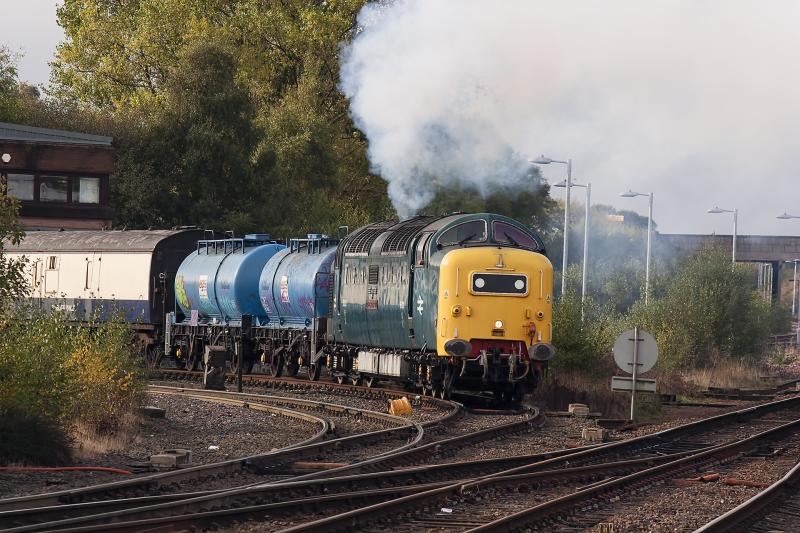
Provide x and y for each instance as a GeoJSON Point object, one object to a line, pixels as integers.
{"type": "Point", "coordinates": [371, 471]}
{"type": "Point", "coordinates": [401, 435]}
{"type": "Point", "coordinates": [775, 509]}
{"type": "Point", "coordinates": [397, 492]}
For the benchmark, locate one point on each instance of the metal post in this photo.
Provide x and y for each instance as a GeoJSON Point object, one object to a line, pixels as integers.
{"type": "Point", "coordinates": [566, 230]}
{"type": "Point", "coordinates": [585, 245]}
{"type": "Point", "coordinates": [647, 263]}
{"type": "Point", "coordinates": [735, 230]}
{"type": "Point", "coordinates": [794, 289]}
{"type": "Point", "coordinates": [635, 370]}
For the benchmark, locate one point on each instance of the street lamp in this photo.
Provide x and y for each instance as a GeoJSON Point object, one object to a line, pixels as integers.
{"type": "Point", "coordinates": [588, 188]}
{"type": "Point", "coordinates": [630, 194]}
{"type": "Point", "coordinates": [542, 160]}
{"type": "Point", "coordinates": [716, 210]}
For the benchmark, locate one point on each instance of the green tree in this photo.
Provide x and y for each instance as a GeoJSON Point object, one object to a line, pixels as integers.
{"type": "Point", "coordinates": [9, 86]}
{"type": "Point", "coordinates": [307, 164]}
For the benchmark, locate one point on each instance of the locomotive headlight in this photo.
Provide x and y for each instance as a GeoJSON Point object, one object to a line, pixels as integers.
{"type": "Point", "coordinates": [498, 324]}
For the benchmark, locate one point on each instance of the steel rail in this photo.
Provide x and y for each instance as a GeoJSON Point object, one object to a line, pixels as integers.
{"type": "Point", "coordinates": [351, 518]}
{"type": "Point", "coordinates": [568, 504]}
{"type": "Point", "coordinates": [327, 479]}
{"type": "Point", "coordinates": [765, 502]}
{"type": "Point", "coordinates": [310, 446]}
{"type": "Point", "coordinates": [201, 517]}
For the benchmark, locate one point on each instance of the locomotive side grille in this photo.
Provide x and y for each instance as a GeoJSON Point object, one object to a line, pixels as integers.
{"type": "Point", "coordinates": [361, 242]}
{"type": "Point", "coordinates": [373, 275]}
{"type": "Point", "coordinates": [401, 236]}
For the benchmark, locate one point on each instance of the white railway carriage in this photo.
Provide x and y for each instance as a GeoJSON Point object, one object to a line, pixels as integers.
{"type": "Point", "coordinates": [92, 273]}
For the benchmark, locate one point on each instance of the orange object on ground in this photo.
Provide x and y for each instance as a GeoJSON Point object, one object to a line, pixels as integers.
{"type": "Point", "coordinates": [65, 469]}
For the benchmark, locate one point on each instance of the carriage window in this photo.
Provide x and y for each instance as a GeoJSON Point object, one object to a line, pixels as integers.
{"type": "Point", "coordinates": [52, 262]}
{"type": "Point", "coordinates": [504, 233]}
{"type": "Point", "coordinates": [473, 231]}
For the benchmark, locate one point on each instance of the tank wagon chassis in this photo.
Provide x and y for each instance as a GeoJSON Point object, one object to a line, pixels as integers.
{"type": "Point", "coordinates": [430, 302]}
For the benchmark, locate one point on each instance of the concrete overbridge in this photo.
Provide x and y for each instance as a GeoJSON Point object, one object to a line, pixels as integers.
{"type": "Point", "coordinates": [771, 250]}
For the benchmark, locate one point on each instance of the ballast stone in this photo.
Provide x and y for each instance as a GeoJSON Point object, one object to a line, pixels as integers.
{"type": "Point", "coordinates": [594, 434]}
{"type": "Point", "coordinates": [579, 410]}
{"type": "Point", "coordinates": [171, 458]}
{"type": "Point", "coordinates": [153, 412]}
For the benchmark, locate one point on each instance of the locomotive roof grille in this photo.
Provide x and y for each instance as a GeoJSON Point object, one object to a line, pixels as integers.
{"type": "Point", "coordinates": [399, 239]}
{"type": "Point", "coordinates": [361, 242]}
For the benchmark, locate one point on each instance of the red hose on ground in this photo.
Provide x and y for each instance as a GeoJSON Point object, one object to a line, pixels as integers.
{"type": "Point", "coordinates": [64, 469]}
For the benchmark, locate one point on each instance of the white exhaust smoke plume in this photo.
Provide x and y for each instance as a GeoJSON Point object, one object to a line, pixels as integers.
{"type": "Point", "coordinates": [694, 100]}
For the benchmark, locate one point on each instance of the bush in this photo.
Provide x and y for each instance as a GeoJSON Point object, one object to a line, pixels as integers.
{"type": "Point", "coordinates": [32, 439]}
{"type": "Point", "coordinates": [708, 308]}
{"type": "Point", "coordinates": [67, 375]}
{"type": "Point", "coordinates": [582, 345]}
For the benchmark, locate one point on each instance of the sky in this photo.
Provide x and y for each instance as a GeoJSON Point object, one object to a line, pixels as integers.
{"type": "Point", "coordinates": [29, 28]}
{"type": "Point", "coordinates": [693, 101]}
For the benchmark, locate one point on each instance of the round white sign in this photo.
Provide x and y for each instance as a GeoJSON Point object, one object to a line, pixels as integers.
{"type": "Point", "coordinates": [647, 351]}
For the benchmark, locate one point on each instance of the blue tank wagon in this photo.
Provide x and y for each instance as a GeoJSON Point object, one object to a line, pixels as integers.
{"type": "Point", "coordinates": [214, 287]}
{"type": "Point", "coordinates": [295, 293]}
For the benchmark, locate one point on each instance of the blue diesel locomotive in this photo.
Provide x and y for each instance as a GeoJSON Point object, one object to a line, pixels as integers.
{"type": "Point", "coordinates": [432, 302]}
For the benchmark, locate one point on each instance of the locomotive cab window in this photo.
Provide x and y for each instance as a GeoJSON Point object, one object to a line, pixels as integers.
{"type": "Point", "coordinates": [504, 233]}
{"type": "Point", "coordinates": [473, 231]}
{"type": "Point", "coordinates": [422, 244]}
{"type": "Point", "coordinates": [503, 284]}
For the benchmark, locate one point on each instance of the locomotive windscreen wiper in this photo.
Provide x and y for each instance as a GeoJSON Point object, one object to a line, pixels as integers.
{"type": "Point", "coordinates": [462, 241]}
{"type": "Point", "coordinates": [510, 239]}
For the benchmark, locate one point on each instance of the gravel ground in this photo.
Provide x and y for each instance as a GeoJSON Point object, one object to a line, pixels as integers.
{"type": "Point", "coordinates": [190, 424]}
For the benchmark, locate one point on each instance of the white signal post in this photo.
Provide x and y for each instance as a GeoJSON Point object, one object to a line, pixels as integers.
{"type": "Point", "coordinates": [635, 358]}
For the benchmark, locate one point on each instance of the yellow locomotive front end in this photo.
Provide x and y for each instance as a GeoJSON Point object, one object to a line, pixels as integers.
{"type": "Point", "coordinates": [495, 317]}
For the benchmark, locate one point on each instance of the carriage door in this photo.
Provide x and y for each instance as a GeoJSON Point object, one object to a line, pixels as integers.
{"type": "Point", "coordinates": [371, 307]}
{"type": "Point", "coordinates": [51, 276]}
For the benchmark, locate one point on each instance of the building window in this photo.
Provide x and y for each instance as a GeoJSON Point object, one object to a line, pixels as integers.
{"type": "Point", "coordinates": [86, 190]}
{"type": "Point", "coordinates": [53, 189]}
{"type": "Point", "coordinates": [20, 186]}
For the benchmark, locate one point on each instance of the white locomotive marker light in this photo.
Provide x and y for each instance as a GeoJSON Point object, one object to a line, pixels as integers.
{"type": "Point", "coordinates": [6, 158]}
{"type": "Point", "coordinates": [635, 351]}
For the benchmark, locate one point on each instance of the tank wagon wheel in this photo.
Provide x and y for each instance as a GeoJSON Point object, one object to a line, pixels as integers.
{"type": "Point", "coordinates": [293, 365]}
{"type": "Point", "coordinates": [314, 371]}
{"type": "Point", "coordinates": [371, 381]}
{"type": "Point", "coordinates": [153, 356]}
{"type": "Point", "coordinates": [340, 379]}
{"type": "Point", "coordinates": [192, 358]}
{"type": "Point", "coordinates": [275, 368]}
{"type": "Point", "coordinates": [356, 380]}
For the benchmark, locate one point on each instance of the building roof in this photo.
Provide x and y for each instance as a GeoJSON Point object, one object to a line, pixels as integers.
{"type": "Point", "coordinates": [18, 132]}
{"type": "Point", "coordinates": [91, 241]}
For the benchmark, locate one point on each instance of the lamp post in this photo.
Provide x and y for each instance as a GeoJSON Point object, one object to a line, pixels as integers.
{"type": "Point", "coordinates": [794, 285]}
{"type": "Point", "coordinates": [588, 188]}
{"type": "Point", "coordinates": [631, 194]}
{"type": "Point", "coordinates": [716, 210]}
{"type": "Point", "coordinates": [542, 160]}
